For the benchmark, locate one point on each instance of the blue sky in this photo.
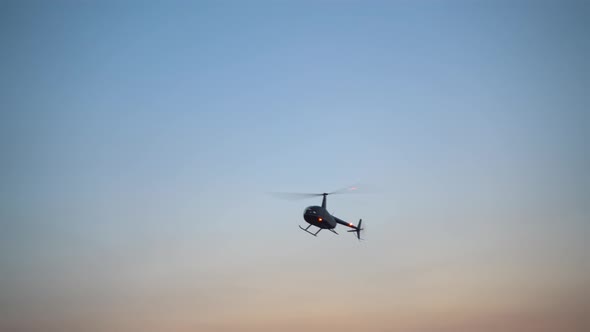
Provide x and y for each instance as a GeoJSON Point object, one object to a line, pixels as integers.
{"type": "Point", "coordinates": [141, 139]}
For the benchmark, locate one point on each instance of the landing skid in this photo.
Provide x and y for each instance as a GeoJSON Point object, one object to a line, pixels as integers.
{"type": "Point", "coordinates": [306, 230]}
{"type": "Point", "coordinates": [316, 233]}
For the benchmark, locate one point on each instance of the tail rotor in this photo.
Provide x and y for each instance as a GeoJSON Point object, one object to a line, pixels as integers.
{"type": "Point", "coordinates": [357, 229]}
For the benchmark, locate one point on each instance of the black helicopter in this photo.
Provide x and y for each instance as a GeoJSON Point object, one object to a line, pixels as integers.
{"type": "Point", "coordinates": [320, 217]}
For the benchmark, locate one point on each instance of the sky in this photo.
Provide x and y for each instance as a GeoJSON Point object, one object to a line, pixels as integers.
{"type": "Point", "coordinates": [141, 140]}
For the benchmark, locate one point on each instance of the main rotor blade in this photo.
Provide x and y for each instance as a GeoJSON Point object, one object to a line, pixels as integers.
{"type": "Point", "coordinates": [345, 190]}
{"type": "Point", "coordinates": [294, 196]}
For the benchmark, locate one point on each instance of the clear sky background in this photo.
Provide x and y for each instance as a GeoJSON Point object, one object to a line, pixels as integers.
{"type": "Point", "coordinates": [140, 140]}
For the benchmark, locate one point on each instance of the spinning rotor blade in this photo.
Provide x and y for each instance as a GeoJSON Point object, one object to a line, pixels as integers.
{"type": "Point", "coordinates": [296, 196]}
{"type": "Point", "coordinates": [345, 190]}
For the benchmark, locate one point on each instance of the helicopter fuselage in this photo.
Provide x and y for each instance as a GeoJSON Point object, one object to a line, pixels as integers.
{"type": "Point", "coordinates": [319, 217]}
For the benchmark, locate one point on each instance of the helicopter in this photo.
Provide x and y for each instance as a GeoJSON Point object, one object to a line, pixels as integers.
{"type": "Point", "coordinates": [319, 216]}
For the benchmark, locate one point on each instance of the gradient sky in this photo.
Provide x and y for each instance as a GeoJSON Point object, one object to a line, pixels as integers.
{"type": "Point", "coordinates": [140, 140]}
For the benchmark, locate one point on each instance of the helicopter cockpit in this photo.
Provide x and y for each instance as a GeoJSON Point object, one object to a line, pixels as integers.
{"type": "Point", "coordinates": [315, 212]}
